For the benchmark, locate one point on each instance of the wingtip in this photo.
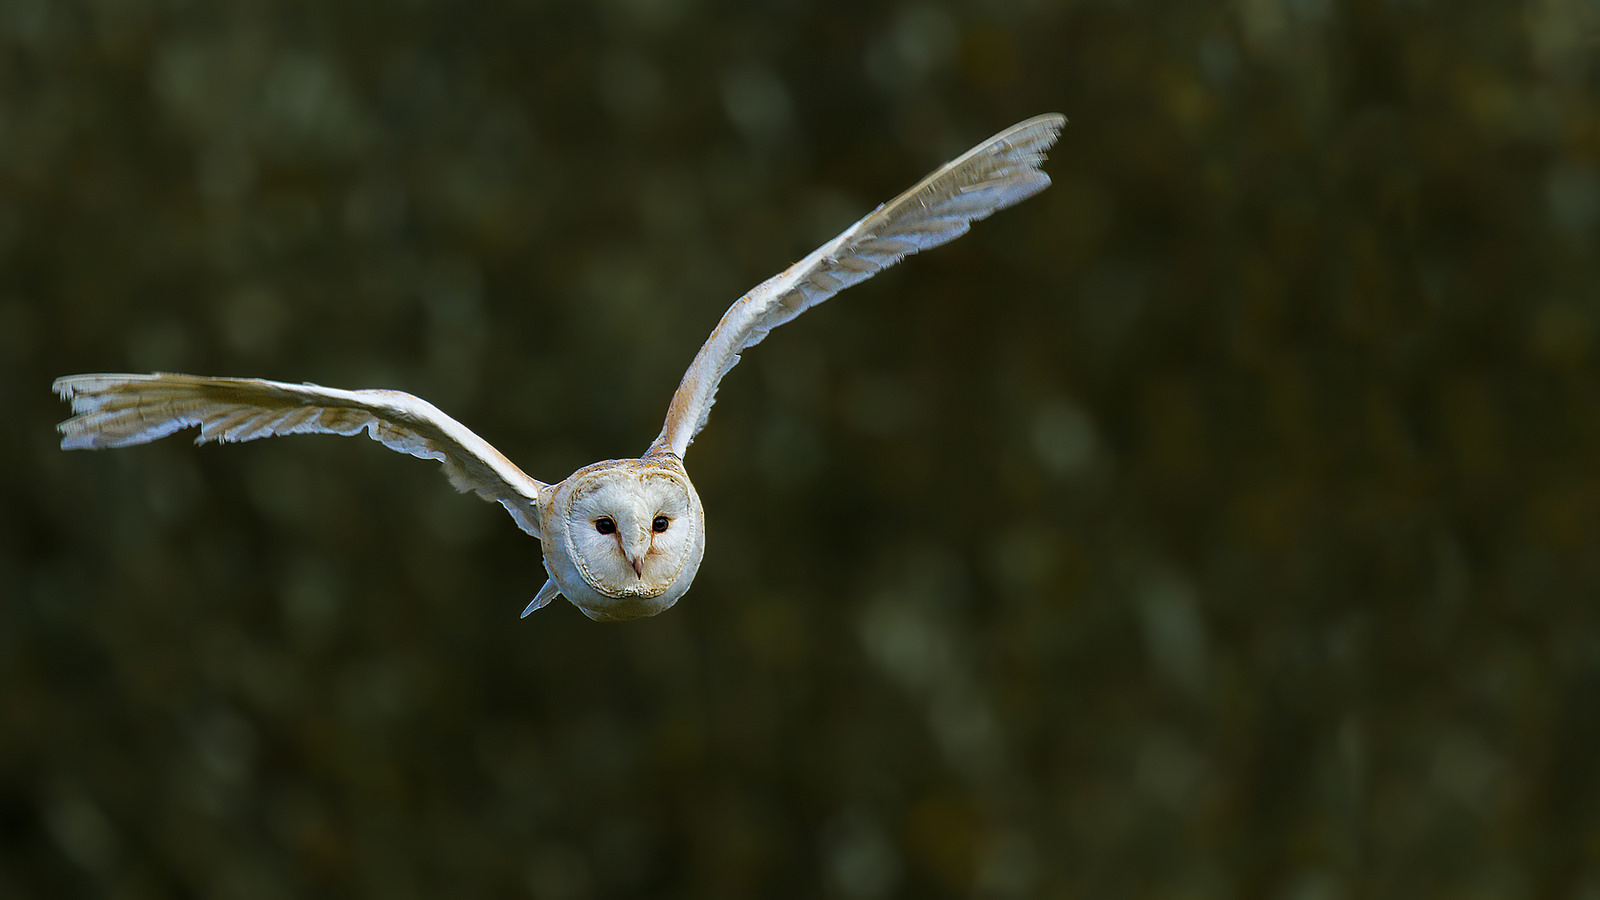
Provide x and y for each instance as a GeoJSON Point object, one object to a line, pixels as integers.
{"type": "Point", "coordinates": [1025, 143]}
{"type": "Point", "coordinates": [72, 439]}
{"type": "Point", "coordinates": [1049, 123]}
{"type": "Point", "coordinates": [72, 436]}
{"type": "Point", "coordinates": [83, 388]}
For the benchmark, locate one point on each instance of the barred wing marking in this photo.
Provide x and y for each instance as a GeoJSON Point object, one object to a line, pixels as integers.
{"type": "Point", "coordinates": [120, 410]}
{"type": "Point", "coordinates": [993, 175]}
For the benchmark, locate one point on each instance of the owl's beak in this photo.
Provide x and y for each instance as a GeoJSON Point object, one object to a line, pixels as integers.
{"type": "Point", "coordinates": [635, 559]}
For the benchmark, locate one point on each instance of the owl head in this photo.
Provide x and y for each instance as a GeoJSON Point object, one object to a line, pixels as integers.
{"type": "Point", "coordinates": [623, 538]}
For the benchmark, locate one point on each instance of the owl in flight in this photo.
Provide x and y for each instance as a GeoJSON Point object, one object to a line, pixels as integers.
{"type": "Point", "coordinates": [622, 538]}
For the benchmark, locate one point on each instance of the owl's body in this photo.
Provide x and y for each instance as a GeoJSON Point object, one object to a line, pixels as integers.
{"type": "Point", "coordinates": [622, 538]}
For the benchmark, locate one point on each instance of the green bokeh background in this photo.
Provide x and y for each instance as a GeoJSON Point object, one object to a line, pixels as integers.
{"type": "Point", "coordinates": [1222, 522]}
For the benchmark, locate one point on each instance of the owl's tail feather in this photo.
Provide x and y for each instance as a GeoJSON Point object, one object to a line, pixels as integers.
{"type": "Point", "coordinates": [549, 592]}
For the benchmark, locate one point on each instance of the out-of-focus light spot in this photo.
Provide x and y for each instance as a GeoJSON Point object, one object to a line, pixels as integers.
{"type": "Point", "coordinates": [224, 743]}
{"type": "Point", "coordinates": [308, 100]}
{"type": "Point", "coordinates": [922, 40]}
{"type": "Point", "coordinates": [1572, 194]}
{"type": "Point", "coordinates": [631, 88]}
{"type": "Point", "coordinates": [1309, 11]}
{"type": "Point", "coordinates": [1263, 22]}
{"type": "Point", "coordinates": [224, 171]}
{"type": "Point", "coordinates": [1561, 33]}
{"type": "Point", "coordinates": [560, 872]}
{"type": "Point", "coordinates": [670, 206]}
{"type": "Point", "coordinates": [1063, 438]}
{"type": "Point", "coordinates": [1561, 333]}
{"type": "Point", "coordinates": [758, 104]}
{"type": "Point", "coordinates": [1168, 770]}
{"type": "Point", "coordinates": [650, 16]}
{"type": "Point", "coordinates": [1315, 884]}
{"type": "Point", "coordinates": [904, 642]}
{"type": "Point", "coordinates": [1465, 769]}
{"type": "Point", "coordinates": [1023, 559]}
{"type": "Point", "coordinates": [1174, 635]}
{"type": "Point", "coordinates": [1219, 61]}
{"type": "Point", "coordinates": [376, 207]}
{"type": "Point", "coordinates": [312, 600]}
{"type": "Point", "coordinates": [253, 319]}
{"type": "Point", "coordinates": [80, 829]}
{"type": "Point", "coordinates": [861, 858]}
{"type": "Point", "coordinates": [1008, 866]}
{"type": "Point", "coordinates": [1111, 298]}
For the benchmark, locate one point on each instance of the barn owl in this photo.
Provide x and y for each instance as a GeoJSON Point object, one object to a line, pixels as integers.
{"type": "Point", "coordinates": [622, 539]}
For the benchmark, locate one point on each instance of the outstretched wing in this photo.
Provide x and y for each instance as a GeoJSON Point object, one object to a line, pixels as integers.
{"type": "Point", "coordinates": [121, 410]}
{"type": "Point", "coordinates": [993, 175]}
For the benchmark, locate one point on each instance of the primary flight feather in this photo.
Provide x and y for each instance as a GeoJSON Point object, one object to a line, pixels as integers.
{"type": "Point", "coordinates": [622, 538]}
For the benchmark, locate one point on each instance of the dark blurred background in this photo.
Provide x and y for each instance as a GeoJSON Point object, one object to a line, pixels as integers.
{"type": "Point", "coordinates": [1222, 522]}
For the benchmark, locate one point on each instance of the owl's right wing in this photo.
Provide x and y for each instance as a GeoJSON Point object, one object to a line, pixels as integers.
{"type": "Point", "coordinates": [121, 410]}
{"type": "Point", "coordinates": [991, 176]}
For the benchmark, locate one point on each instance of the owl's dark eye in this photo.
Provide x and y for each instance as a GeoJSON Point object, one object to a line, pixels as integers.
{"type": "Point", "coordinates": [660, 524]}
{"type": "Point", "coordinates": [605, 525]}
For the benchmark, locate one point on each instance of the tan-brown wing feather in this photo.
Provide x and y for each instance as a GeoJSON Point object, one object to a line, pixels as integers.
{"type": "Point", "coordinates": [993, 175]}
{"type": "Point", "coordinates": [121, 410]}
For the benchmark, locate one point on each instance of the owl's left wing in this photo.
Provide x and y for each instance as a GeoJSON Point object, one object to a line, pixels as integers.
{"type": "Point", "coordinates": [993, 175]}
{"type": "Point", "coordinates": [123, 410]}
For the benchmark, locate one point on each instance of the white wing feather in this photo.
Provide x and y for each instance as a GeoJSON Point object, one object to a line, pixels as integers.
{"type": "Point", "coordinates": [120, 410]}
{"type": "Point", "coordinates": [993, 175]}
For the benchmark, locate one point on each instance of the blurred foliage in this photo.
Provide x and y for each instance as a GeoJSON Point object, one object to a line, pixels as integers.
{"type": "Point", "coordinates": [1221, 523]}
